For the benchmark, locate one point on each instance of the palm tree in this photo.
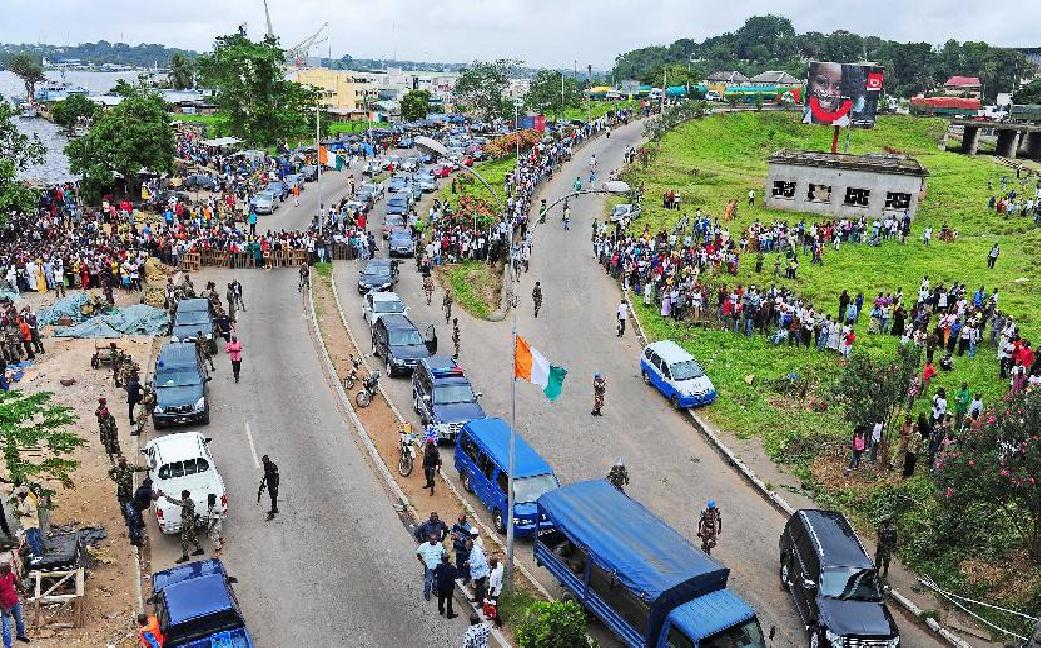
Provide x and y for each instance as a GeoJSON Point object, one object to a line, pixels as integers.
{"type": "Point", "coordinates": [30, 72]}
{"type": "Point", "coordinates": [182, 72]}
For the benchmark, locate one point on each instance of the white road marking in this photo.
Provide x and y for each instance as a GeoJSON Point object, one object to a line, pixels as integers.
{"type": "Point", "coordinates": [252, 447]}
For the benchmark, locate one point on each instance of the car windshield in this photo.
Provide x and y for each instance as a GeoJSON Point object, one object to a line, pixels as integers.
{"type": "Point", "coordinates": [850, 585]}
{"type": "Point", "coordinates": [192, 318]}
{"type": "Point", "coordinates": [405, 337]}
{"type": "Point", "coordinates": [452, 394]}
{"type": "Point", "coordinates": [176, 469]}
{"type": "Point", "coordinates": [529, 489]}
{"type": "Point", "coordinates": [746, 635]}
{"type": "Point", "coordinates": [177, 378]}
{"type": "Point", "coordinates": [686, 370]}
{"type": "Point", "coordinates": [388, 306]}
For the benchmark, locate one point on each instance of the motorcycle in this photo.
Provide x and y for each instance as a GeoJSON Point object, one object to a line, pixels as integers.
{"type": "Point", "coordinates": [352, 378]}
{"type": "Point", "coordinates": [369, 387]}
{"type": "Point", "coordinates": [407, 452]}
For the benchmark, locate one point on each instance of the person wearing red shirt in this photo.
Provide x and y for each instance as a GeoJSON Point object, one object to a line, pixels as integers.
{"type": "Point", "coordinates": [11, 605]}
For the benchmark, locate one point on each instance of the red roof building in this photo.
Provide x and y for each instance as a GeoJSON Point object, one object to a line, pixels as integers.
{"type": "Point", "coordinates": [963, 86]}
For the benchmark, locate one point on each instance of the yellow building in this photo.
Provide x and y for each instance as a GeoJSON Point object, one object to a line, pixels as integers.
{"type": "Point", "coordinates": [345, 91]}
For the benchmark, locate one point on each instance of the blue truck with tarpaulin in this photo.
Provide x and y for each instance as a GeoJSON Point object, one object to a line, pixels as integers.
{"type": "Point", "coordinates": [646, 583]}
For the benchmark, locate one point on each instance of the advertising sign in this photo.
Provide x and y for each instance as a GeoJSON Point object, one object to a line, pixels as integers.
{"type": "Point", "coordinates": [842, 94]}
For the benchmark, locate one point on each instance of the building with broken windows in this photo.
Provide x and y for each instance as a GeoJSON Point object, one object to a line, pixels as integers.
{"type": "Point", "coordinates": [841, 185]}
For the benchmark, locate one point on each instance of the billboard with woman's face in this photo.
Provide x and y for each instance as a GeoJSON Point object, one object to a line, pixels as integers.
{"type": "Point", "coordinates": [842, 94]}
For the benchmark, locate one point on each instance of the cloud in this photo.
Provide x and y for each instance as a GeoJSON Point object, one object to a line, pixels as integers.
{"type": "Point", "coordinates": [554, 33]}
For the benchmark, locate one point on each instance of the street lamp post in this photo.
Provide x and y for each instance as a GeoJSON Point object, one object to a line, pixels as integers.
{"type": "Point", "coordinates": [508, 576]}
{"type": "Point", "coordinates": [318, 152]}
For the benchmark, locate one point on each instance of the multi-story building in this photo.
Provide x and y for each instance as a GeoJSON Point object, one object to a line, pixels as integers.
{"type": "Point", "coordinates": [345, 92]}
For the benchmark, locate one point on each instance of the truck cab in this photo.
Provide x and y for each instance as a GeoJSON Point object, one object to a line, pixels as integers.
{"type": "Point", "coordinates": [197, 607]}
{"type": "Point", "coordinates": [443, 396]}
{"type": "Point", "coordinates": [645, 582]}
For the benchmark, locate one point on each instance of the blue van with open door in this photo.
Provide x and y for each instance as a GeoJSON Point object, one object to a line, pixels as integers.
{"type": "Point", "coordinates": [482, 457]}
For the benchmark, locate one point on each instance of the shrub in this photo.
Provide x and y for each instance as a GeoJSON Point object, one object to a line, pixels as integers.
{"type": "Point", "coordinates": [553, 624]}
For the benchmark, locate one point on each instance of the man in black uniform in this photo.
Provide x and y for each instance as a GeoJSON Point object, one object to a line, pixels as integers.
{"type": "Point", "coordinates": [536, 296]}
{"type": "Point", "coordinates": [270, 481]}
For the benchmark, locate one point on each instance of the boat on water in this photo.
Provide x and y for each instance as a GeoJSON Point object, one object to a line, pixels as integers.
{"type": "Point", "coordinates": [57, 90]}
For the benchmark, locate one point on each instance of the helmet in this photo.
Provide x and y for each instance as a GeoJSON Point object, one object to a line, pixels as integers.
{"type": "Point", "coordinates": [712, 504]}
{"type": "Point", "coordinates": [596, 375]}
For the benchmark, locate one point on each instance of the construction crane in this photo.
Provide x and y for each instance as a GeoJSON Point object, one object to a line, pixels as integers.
{"type": "Point", "coordinates": [267, 15]}
{"type": "Point", "coordinates": [297, 54]}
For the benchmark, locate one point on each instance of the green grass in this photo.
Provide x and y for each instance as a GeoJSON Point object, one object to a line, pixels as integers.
{"type": "Point", "coordinates": [352, 126]}
{"type": "Point", "coordinates": [729, 153]}
{"type": "Point", "coordinates": [493, 171]}
{"type": "Point", "coordinates": [596, 109]}
{"type": "Point", "coordinates": [324, 269]}
{"type": "Point", "coordinates": [475, 286]}
{"type": "Point", "coordinates": [215, 124]}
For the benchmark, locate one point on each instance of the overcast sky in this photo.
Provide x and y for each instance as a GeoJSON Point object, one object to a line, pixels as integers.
{"type": "Point", "coordinates": [552, 33]}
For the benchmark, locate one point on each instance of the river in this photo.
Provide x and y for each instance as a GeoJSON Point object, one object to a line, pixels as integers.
{"type": "Point", "coordinates": [55, 166]}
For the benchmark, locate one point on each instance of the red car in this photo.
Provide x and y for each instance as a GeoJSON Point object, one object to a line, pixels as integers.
{"type": "Point", "coordinates": [441, 171]}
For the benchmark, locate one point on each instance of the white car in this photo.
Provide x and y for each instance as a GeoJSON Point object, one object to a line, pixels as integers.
{"type": "Point", "coordinates": [378, 304]}
{"type": "Point", "coordinates": [178, 462]}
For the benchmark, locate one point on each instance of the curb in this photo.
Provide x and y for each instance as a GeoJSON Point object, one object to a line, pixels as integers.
{"type": "Point", "coordinates": [366, 440]}
{"type": "Point", "coordinates": [451, 487]}
{"type": "Point", "coordinates": [782, 505]}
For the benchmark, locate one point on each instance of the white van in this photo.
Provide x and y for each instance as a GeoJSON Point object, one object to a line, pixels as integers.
{"type": "Point", "coordinates": [179, 462]}
{"type": "Point", "coordinates": [676, 374]}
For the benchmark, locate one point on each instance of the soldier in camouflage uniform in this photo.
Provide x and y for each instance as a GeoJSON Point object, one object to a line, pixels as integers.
{"type": "Point", "coordinates": [202, 347]}
{"type": "Point", "coordinates": [887, 541]}
{"type": "Point", "coordinates": [188, 519]}
{"type": "Point", "coordinates": [110, 436]}
{"type": "Point", "coordinates": [123, 474]}
{"type": "Point", "coordinates": [710, 525]}
{"type": "Point", "coordinates": [144, 409]}
{"type": "Point", "coordinates": [618, 476]}
{"type": "Point", "coordinates": [187, 287]}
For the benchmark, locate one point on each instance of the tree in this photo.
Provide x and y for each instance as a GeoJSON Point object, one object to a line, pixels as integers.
{"type": "Point", "coordinates": [481, 88]}
{"type": "Point", "coordinates": [182, 72]}
{"type": "Point", "coordinates": [37, 443]}
{"type": "Point", "coordinates": [551, 92]}
{"type": "Point", "coordinates": [1028, 94]}
{"type": "Point", "coordinates": [132, 136]}
{"type": "Point", "coordinates": [998, 467]}
{"type": "Point", "coordinates": [415, 105]}
{"type": "Point", "coordinates": [553, 624]}
{"type": "Point", "coordinates": [68, 111]}
{"type": "Point", "coordinates": [259, 104]}
{"type": "Point", "coordinates": [29, 71]}
{"type": "Point", "coordinates": [17, 152]}
{"type": "Point", "coordinates": [872, 389]}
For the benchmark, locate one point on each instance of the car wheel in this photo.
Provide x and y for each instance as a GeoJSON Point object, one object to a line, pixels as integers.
{"type": "Point", "coordinates": [390, 367]}
{"type": "Point", "coordinates": [674, 400]}
{"type": "Point", "coordinates": [785, 575]}
{"type": "Point", "coordinates": [206, 418]}
{"type": "Point", "coordinates": [646, 376]}
{"type": "Point", "coordinates": [500, 524]}
{"type": "Point", "coordinates": [815, 637]}
{"type": "Point", "coordinates": [464, 478]}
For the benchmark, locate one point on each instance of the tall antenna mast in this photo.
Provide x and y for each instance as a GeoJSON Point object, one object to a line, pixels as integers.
{"type": "Point", "coordinates": [267, 15]}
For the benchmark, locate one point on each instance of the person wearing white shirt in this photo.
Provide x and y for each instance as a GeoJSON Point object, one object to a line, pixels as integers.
{"type": "Point", "coordinates": [623, 313]}
{"type": "Point", "coordinates": [495, 579]}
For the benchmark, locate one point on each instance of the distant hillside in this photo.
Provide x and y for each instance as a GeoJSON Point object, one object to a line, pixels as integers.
{"type": "Point", "coordinates": [771, 43]}
{"type": "Point", "coordinates": [99, 53]}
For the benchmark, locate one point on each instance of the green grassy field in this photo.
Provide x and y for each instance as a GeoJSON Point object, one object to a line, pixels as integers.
{"type": "Point", "coordinates": [729, 153]}
{"type": "Point", "coordinates": [215, 124]}
{"type": "Point", "coordinates": [596, 109]}
{"type": "Point", "coordinates": [353, 126]}
{"type": "Point", "coordinates": [493, 171]}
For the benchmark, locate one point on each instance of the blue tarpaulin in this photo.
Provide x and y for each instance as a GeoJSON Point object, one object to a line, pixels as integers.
{"type": "Point", "coordinates": [136, 319]}
{"type": "Point", "coordinates": [64, 307]}
{"type": "Point", "coordinates": [632, 544]}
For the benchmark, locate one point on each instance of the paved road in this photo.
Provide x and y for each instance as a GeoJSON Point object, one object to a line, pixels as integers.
{"type": "Point", "coordinates": [337, 562]}
{"type": "Point", "coordinates": [673, 469]}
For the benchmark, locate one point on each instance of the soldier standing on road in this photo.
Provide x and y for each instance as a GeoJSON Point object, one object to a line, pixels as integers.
{"type": "Point", "coordinates": [202, 348]}
{"type": "Point", "coordinates": [446, 304]}
{"type": "Point", "coordinates": [215, 524]}
{"type": "Point", "coordinates": [536, 296]}
{"type": "Point", "coordinates": [147, 401]}
{"type": "Point", "coordinates": [270, 481]}
{"type": "Point", "coordinates": [236, 288]}
{"type": "Point", "coordinates": [599, 394]}
{"type": "Point", "coordinates": [618, 476]}
{"type": "Point", "coordinates": [134, 394]}
{"type": "Point", "coordinates": [887, 541]}
{"type": "Point", "coordinates": [188, 519]}
{"type": "Point", "coordinates": [455, 335]}
{"type": "Point", "coordinates": [431, 464]}
{"type": "Point", "coordinates": [123, 474]}
{"type": "Point", "coordinates": [110, 436]}
{"type": "Point", "coordinates": [710, 525]}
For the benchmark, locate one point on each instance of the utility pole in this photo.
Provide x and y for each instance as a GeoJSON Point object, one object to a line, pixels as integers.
{"type": "Point", "coordinates": [561, 94]}
{"type": "Point", "coordinates": [513, 388]}
{"type": "Point", "coordinates": [589, 90]}
{"type": "Point", "coordinates": [664, 85]}
{"type": "Point", "coordinates": [318, 150]}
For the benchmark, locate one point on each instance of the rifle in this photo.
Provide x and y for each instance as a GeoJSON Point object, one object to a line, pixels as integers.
{"type": "Point", "coordinates": [260, 491]}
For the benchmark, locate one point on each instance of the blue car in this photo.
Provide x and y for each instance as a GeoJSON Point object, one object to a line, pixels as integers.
{"type": "Point", "coordinates": [676, 374]}
{"type": "Point", "coordinates": [443, 396]}
{"type": "Point", "coordinates": [197, 608]}
{"type": "Point", "coordinates": [397, 206]}
{"type": "Point", "coordinates": [397, 184]}
{"type": "Point", "coordinates": [482, 457]}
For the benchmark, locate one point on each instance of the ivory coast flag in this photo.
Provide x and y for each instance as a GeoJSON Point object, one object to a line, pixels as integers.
{"type": "Point", "coordinates": [533, 367]}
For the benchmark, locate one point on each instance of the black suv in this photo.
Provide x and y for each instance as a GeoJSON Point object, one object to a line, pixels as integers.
{"type": "Point", "coordinates": [398, 341]}
{"type": "Point", "coordinates": [834, 583]}
{"type": "Point", "coordinates": [180, 386]}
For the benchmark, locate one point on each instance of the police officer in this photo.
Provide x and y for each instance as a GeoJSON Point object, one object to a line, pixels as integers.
{"type": "Point", "coordinates": [270, 481]}
{"type": "Point", "coordinates": [618, 476]}
{"type": "Point", "coordinates": [599, 393]}
{"type": "Point", "coordinates": [123, 474]}
{"type": "Point", "coordinates": [188, 519]}
{"type": "Point", "coordinates": [887, 541]}
{"type": "Point", "coordinates": [710, 525]}
{"type": "Point", "coordinates": [536, 296]}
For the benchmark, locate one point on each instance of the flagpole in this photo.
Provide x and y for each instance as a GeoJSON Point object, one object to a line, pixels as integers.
{"type": "Point", "coordinates": [513, 382]}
